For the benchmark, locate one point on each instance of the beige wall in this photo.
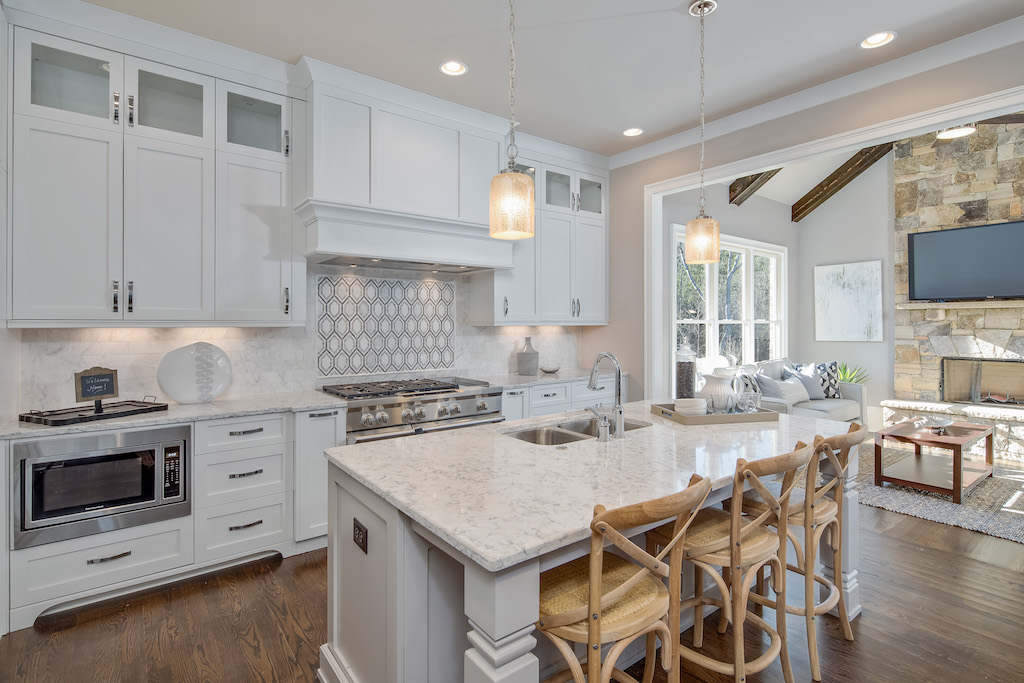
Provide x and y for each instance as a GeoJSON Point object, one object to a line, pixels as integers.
{"type": "Point", "coordinates": [624, 335]}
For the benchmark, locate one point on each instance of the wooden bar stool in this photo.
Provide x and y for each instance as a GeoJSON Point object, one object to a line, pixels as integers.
{"type": "Point", "coordinates": [741, 546]}
{"type": "Point", "coordinates": [605, 597]}
{"type": "Point", "coordinates": [816, 514]}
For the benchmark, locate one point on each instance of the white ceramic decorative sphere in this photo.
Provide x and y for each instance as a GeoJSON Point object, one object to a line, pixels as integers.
{"type": "Point", "coordinates": [197, 373]}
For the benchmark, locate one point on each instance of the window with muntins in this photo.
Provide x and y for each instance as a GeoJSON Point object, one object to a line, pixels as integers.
{"type": "Point", "coordinates": [731, 312]}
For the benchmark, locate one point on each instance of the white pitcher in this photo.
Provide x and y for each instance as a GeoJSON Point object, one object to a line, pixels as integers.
{"type": "Point", "coordinates": [721, 392]}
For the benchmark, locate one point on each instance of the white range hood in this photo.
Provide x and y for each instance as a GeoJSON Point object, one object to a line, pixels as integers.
{"type": "Point", "coordinates": [343, 234]}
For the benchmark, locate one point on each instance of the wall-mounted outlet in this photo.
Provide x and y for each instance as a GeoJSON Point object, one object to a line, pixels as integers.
{"type": "Point", "coordinates": [359, 534]}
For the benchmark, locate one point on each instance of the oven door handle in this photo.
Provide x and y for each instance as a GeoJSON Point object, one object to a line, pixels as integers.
{"type": "Point", "coordinates": [379, 436]}
{"type": "Point", "coordinates": [470, 422]}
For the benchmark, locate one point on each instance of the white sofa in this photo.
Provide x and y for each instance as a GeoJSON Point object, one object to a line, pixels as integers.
{"type": "Point", "coordinates": [850, 407]}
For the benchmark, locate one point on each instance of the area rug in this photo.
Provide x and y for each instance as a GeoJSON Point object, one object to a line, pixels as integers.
{"type": "Point", "coordinates": [995, 507]}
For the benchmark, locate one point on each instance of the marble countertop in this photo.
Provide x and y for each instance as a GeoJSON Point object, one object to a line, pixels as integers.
{"type": "Point", "coordinates": [501, 501]}
{"type": "Point", "coordinates": [254, 405]}
{"type": "Point", "coordinates": [176, 413]}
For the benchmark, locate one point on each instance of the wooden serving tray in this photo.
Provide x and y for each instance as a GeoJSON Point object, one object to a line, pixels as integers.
{"type": "Point", "coordinates": [666, 410]}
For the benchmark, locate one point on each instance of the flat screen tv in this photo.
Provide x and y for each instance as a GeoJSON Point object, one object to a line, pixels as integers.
{"type": "Point", "coordinates": [983, 262]}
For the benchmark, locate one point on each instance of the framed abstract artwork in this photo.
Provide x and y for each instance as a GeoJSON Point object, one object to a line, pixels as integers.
{"type": "Point", "coordinates": [848, 302]}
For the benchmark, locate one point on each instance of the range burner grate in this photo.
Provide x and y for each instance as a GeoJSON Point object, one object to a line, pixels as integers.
{"type": "Point", "coordinates": [407, 387]}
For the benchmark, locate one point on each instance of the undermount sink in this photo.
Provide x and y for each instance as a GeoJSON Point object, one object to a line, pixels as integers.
{"type": "Point", "coordinates": [549, 436]}
{"type": "Point", "coordinates": [590, 427]}
{"type": "Point", "coordinates": [569, 432]}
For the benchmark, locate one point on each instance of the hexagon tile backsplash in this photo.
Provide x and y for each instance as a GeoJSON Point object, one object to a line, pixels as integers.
{"type": "Point", "coordinates": [371, 325]}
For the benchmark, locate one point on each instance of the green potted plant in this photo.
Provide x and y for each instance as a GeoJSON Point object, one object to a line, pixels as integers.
{"type": "Point", "coordinates": [853, 373]}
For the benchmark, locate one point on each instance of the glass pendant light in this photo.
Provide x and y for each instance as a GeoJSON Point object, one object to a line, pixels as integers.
{"type": "Point", "coordinates": [701, 241]}
{"type": "Point", "coordinates": [511, 200]}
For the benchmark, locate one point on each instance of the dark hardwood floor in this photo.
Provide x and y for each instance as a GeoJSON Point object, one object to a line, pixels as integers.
{"type": "Point", "coordinates": [940, 604]}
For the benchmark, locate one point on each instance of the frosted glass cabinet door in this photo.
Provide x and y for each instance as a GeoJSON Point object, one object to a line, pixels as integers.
{"type": "Point", "coordinates": [559, 189]}
{"type": "Point", "coordinates": [253, 240]}
{"type": "Point", "coordinates": [168, 230]}
{"type": "Point", "coordinates": [168, 104]}
{"type": "Point", "coordinates": [67, 81]}
{"type": "Point", "coordinates": [67, 226]}
{"type": "Point", "coordinates": [252, 122]}
{"type": "Point", "coordinates": [590, 196]}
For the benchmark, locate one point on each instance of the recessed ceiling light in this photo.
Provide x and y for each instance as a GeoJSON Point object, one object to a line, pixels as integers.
{"type": "Point", "coordinates": [956, 132]}
{"type": "Point", "coordinates": [632, 132]}
{"type": "Point", "coordinates": [453, 68]}
{"type": "Point", "coordinates": [878, 39]}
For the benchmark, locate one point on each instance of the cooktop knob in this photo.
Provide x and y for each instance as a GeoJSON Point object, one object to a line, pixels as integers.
{"type": "Point", "coordinates": [481, 405]}
{"type": "Point", "coordinates": [368, 420]}
{"type": "Point", "coordinates": [442, 410]}
{"type": "Point", "coordinates": [456, 409]}
{"type": "Point", "coordinates": [407, 415]}
{"type": "Point", "coordinates": [382, 417]}
{"type": "Point", "coordinates": [420, 412]}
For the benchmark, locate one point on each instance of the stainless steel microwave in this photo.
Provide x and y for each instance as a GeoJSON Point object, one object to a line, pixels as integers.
{"type": "Point", "coordinates": [82, 484]}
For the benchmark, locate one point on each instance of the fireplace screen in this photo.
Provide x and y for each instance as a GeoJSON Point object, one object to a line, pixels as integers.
{"type": "Point", "coordinates": [983, 380]}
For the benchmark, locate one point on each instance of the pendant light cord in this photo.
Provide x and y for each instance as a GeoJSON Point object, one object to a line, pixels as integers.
{"type": "Point", "coordinates": [701, 203]}
{"type": "Point", "coordinates": [512, 150]}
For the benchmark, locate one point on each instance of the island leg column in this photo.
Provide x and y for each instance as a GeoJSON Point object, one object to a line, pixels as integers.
{"type": "Point", "coordinates": [846, 578]}
{"type": "Point", "coordinates": [502, 608]}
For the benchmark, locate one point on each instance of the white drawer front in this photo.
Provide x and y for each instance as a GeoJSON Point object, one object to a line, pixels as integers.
{"type": "Point", "coordinates": [548, 394]}
{"type": "Point", "coordinates": [605, 389]}
{"type": "Point", "coordinates": [240, 432]}
{"type": "Point", "coordinates": [58, 569]}
{"type": "Point", "coordinates": [244, 474]}
{"type": "Point", "coordinates": [239, 527]}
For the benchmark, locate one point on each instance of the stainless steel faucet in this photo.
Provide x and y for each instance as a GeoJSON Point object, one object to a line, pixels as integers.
{"type": "Point", "coordinates": [620, 428]}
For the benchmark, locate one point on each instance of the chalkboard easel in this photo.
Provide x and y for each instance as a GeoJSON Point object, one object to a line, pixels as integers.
{"type": "Point", "coordinates": [95, 384]}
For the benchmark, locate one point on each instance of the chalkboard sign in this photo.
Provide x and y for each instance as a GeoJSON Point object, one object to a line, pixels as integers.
{"type": "Point", "coordinates": [95, 384]}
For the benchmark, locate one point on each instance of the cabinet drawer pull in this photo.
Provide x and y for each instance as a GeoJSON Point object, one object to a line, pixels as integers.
{"type": "Point", "coordinates": [327, 414]}
{"type": "Point", "coordinates": [514, 393]}
{"type": "Point", "coordinates": [131, 296]}
{"type": "Point", "coordinates": [287, 143]}
{"type": "Point", "coordinates": [287, 300]}
{"type": "Point", "coordinates": [116, 305]}
{"type": "Point", "coordinates": [101, 560]}
{"type": "Point", "coordinates": [117, 108]}
{"type": "Point", "coordinates": [131, 111]}
{"type": "Point", "coordinates": [243, 432]}
{"type": "Point", "coordinates": [601, 388]}
{"type": "Point", "coordinates": [239, 475]}
{"type": "Point", "coordinates": [551, 395]}
{"type": "Point", "coordinates": [245, 526]}
{"type": "Point", "coordinates": [506, 305]}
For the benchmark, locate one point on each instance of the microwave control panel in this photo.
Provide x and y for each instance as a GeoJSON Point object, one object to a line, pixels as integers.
{"type": "Point", "coordinates": [172, 472]}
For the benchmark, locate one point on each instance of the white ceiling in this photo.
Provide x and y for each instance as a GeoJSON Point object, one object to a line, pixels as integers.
{"type": "Point", "coordinates": [587, 69]}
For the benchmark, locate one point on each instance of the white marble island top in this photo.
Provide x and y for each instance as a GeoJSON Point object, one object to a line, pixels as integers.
{"type": "Point", "coordinates": [501, 501]}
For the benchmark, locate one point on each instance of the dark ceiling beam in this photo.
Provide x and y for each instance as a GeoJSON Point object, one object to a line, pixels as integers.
{"type": "Point", "coordinates": [742, 189]}
{"type": "Point", "coordinates": [840, 178]}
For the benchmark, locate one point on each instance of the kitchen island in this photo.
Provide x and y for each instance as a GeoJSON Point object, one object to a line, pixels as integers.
{"type": "Point", "coordinates": [437, 542]}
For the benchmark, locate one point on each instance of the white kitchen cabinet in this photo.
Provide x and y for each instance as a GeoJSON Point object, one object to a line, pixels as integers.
{"type": "Point", "coordinates": [234, 529]}
{"type": "Point", "coordinates": [339, 153]}
{"type": "Point", "coordinates": [514, 404]}
{"type": "Point", "coordinates": [65, 81]}
{"type": "Point", "coordinates": [508, 296]}
{"type": "Point", "coordinates": [603, 395]}
{"type": "Point", "coordinates": [252, 122]}
{"type": "Point", "coordinates": [254, 269]}
{"type": "Point", "coordinates": [571, 191]}
{"type": "Point", "coordinates": [547, 399]}
{"type": "Point", "coordinates": [572, 270]}
{"type": "Point", "coordinates": [67, 221]}
{"type": "Point", "coordinates": [315, 432]}
{"type": "Point", "coordinates": [169, 231]}
{"type": "Point", "coordinates": [242, 474]}
{"type": "Point", "coordinates": [164, 103]}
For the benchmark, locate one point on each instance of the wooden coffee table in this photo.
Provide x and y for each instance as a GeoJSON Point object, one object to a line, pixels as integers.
{"type": "Point", "coordinates": [931, 472]}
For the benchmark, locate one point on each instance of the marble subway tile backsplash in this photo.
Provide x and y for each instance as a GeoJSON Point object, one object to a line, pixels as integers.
{"type": "Point", "coordinates": [269, 360]}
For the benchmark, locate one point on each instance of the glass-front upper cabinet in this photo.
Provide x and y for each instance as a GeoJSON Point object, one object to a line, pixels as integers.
{"type": "Point", "coordinates": [169, 104]}
{"type": "Point", "coordinates": [569, 191]}
{"type": "Point", "coordinates": [62, 80]}
{"type": "Point", "coordinates": [252, 122]}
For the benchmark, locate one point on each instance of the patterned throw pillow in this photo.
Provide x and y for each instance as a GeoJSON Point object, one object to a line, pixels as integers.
{"type": "Point", "coordinates": [829, 374]}
{"type": "Point", "coordinates": [748, 383]}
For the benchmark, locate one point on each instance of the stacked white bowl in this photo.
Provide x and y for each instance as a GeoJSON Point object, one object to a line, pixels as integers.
{"type": "Point", "coordinates": [691, 406]}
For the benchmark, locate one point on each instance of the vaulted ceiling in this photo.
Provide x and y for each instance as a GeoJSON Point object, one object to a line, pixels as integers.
{"type": "Point", "coordinates": [587, 69]}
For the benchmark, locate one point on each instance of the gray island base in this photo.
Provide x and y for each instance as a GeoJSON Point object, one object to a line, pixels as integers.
{"type": "Point", "coordinates": [437, 541]}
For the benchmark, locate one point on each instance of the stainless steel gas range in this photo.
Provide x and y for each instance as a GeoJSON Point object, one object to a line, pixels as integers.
{"type": "Point", "coordinates": [394, 408]}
